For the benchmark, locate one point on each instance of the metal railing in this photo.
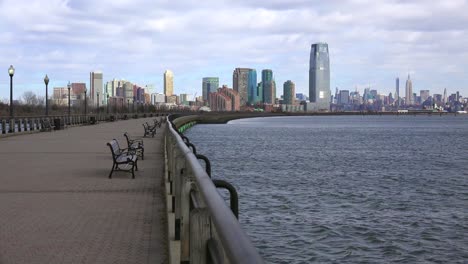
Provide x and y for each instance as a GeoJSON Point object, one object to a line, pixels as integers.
{"type": "Point", "coordinates": [22, 124]}
{"type": "Point", "coordinates": [206, 227]}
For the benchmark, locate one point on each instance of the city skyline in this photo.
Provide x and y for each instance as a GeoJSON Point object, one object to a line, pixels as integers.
{"type": "Point", "coordinates": [72, 38]}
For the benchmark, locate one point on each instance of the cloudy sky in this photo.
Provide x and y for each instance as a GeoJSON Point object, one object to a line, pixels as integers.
{"type": "Point", "coordinates": [371, 41]}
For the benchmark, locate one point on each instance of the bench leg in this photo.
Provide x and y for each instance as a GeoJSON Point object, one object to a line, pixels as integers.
{"type": "Point", "coordinates": [136, 164]}
{"type": "Point", "coordinates": [110, 175]}
{"type": "Point", "coordinates": [133, 173]}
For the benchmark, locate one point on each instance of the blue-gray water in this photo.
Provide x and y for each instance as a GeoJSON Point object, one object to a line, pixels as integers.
{"type": "Point", "coordinates": [350, 189]}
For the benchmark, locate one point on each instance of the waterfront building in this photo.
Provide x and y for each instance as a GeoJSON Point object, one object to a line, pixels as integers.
{"type": "Point", "coordinates": [172, 99]}
{"type": "Point", "coordinates": [268, 87]}
{"type": "Point", "coordinates": [168, 83]}
{"type": "Point", "coordinates": [128, 92]}
{"type": "Point", "coordinates": [225, 99]}
{"type": "Point", "coordinates": [344, 97]}
{"type": "Point", "coordinates": [444, 99]}
{"type": "Point", "coordinates": [289, 91]}
{"type": "Point", "coordinates": [259, 97]}
{"type": "Point", "coordinates": [397, 93]}
{"type": "Point", "coordinates": [60, 96]}
{"type": "Point", "coordinates": [252, 87]}
{"type": "Point", "coordinates": [96, 86]}
{"type": "Point", "coordinates": [240, 82]}
{"type": "Point", "coordinates": [157, 98]}
{"type": "Point", "coordinates": [301, 97]}
{"type": "Point", "coordinates": [409, 92]}
{"type": "Point", "coordinates": [209, 85]}
{"type": "Point", "coordinates": [424, 95]}
{"type": "Point", "coordinates": [185, 98]}
{"type": "Point", "coordinates": [319, 78]}
{"type": "Point", "coordinates": [269, 92]}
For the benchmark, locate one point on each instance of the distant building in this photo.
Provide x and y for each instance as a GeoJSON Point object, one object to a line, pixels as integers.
{"type": "Point", "coordinates": [424, 95]}
{"type": "Point", "coordinates": [397, 92]}
{"type": "Point", "coordinates": [225, 99]}
{"type": "Point", "coordinates": [240, 83]}
{"type": "Point", "coordinates": [289, 91]}
{"type": "Point", "coordinates": [344, 97]}
{"type": "Point", "coordinates": [269, 87]}
{"type": "Point", "coordinates": [172, 99]}
{"type": "Point", "coordinates": [96, 86]}
{"type": "Point", "coordinates": [301, 97]}
{"type": "Point", "coordinates": [60, 96]}
{"type": "Point", "coordinates": [259, 96]}
{"type": "Point", "coordinates": [168, 83]}
{"type": "Point", "coordinates": [158, 98]}
{"type": "Point", "coordinates": [319, 78]}
{"type": "Point", "coordinates": [252, 87]}
{"type": "Point", "coordinates": [209, 85]}
{"type": "Point", "coordinates": [409, 92]}
{"type": "Point", "coordinates": [128, 92]}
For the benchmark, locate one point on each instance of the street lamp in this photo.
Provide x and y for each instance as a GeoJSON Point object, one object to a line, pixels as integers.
{"type": "Point", "coordinates": [134, 98]}
{"type": "Point", "coordinates": [108, 104]}
{"type": "Point", "coordinates": [46, 81]}
{"type": "Point", "coordinates": [85, 102]}
{"type": "Point", "coordinates": [69, 87]}
{"type": "Point", "coordinates": [11, 72]}
{"type": "Point", "coordinates": [128, 105]}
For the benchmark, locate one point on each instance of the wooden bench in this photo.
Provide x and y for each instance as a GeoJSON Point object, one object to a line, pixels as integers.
{"type": "Point", "coordinates": [46, 125]}
{"type": "Point", "coordinates": [122, 157]}
{"type": "Point", "coordinates": [135, 145]}
{"type": "Point", "coordinates": [148, 130]}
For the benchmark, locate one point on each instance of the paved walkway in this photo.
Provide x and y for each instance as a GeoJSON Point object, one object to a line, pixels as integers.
{"type": "Point", "coordinates": [58, 206]}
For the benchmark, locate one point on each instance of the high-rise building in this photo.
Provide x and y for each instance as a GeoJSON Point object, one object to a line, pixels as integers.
{"type": "Point", "coordinates": [209, 85]}
{"type": "Point", "coordinates": [240, 83]}
{"type": "Point", "coordinates": [269, 86]}
{"type": "Point", "coordinates": [444, 99]}
{"type": "Point", "coordinates": [128, 92]}
{"type": "Point", "coordinates": [424, 94]}
{"type": "Point", "coordinates": [96, 85]}
{"type": "Point", "coordinates": [397, 92]}
{"type": "Point", "coordinates": [409, 92]}
{"type": "Point", "coordinates": [344, 97]}
{"type": "Point", "coordinates": [289, 92]}
{"type": "Point", "coordinates": [319, 76]}
{"type": "Point", "coordinates": [259, 97]}
{"type": "Point", "coordinates": [252, 87]}
{"type": "Point", "coordinates": [168, 83]}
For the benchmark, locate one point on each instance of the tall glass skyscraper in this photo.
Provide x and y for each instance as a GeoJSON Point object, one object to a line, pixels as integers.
{"type": "Point", "coordinates": [269, 87]}
{"type": "Point", "coordinates": [319, 76]}
{"type": "Point", "coordinates": [240, 83]}
{"type": "Point", "coordinates": [397, 92]}
{"type": "Point", "coordinates": [252, 86]}
{"type": "Point", "coordinates": [209, 85]}
{"type": "Point", "coordinates": [289, 92]}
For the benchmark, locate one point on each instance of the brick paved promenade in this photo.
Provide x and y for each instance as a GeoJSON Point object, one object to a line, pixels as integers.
{"type": "Point", "coordinates": [58, 206]}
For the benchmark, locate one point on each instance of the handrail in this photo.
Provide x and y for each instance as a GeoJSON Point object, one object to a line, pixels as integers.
{"type": "Point", "coordinates": [234, 240]}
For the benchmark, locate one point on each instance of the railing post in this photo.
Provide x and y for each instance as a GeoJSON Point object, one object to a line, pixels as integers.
{"type": "Point", "coordinates": [12, 125]}
{"type": "Point", "coordinates": [200, 233]}
{"type": "Point", "coordinates": [18, 123]}
{"type": "Point", "coordinates": [3, 126]}
{"type": "Point", "coordinates": [185, 215]}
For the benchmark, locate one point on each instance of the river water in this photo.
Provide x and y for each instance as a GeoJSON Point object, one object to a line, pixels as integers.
{"type": "Point", "coordinates": [347, 189]}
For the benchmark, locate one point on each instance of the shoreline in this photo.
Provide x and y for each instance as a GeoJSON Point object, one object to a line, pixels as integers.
{"type": "Point", "coordinates": [224, 117]}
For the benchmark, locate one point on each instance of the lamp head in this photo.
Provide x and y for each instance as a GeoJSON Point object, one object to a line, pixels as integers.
{"type": "Point", "coordinates": [11, 71]}
{"type": "Point", "coordinates": [46, 80]}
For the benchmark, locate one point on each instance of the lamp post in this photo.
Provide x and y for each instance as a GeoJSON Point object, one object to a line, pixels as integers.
{"type": "Point", "coordinates": [11, 72]}
{"type": "Point", "coordinates": [46, 81]}
{"type": "Point", "coordinates": [69, 87]}
{"type": "Point", "coordinates": [85, 102]}
{"type": "Point", "coordinates": [134, 99]}
{"type": "Point", "coordinates": [128, 105]}
{"type": "Point", "coordinates": [108, 104]}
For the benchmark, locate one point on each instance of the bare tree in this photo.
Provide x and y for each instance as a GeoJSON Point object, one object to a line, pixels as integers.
{"type": "Point", "coordinates": [29, 98]}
